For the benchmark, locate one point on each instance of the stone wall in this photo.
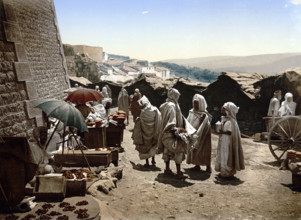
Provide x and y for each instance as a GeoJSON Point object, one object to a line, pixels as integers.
{"type": "Point", "coordinates": [94, 52]}
{"type": "Point", "coordinates": [81, 65]}
{"type": "Point", "coordinates": [32, 63]}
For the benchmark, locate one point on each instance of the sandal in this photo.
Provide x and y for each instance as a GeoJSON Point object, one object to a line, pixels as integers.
{"type": "Point", "coordinates": [195, 168]}
{"type": "Point", "coordinates": [208, 170]}
{"type": "Point", "coordinates": [169, 172]}
{"type": "Point", "coordinates": [181, 176]}
{"type": "Point", "coordinates": [146, 165]}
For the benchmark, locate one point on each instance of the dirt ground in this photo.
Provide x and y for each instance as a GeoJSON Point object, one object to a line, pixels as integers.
{"type": "Point", "coordinates": [261, 191]}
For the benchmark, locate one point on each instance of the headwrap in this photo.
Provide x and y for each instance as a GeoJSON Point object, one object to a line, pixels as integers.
{"type": "Point", "coordinates": [137, 90]}
{"type": "Point", "coordinates": [231, 109]}
{"type": "Point", "coordinates": [202, 105]}
{"type": "Point", "coordinates": [123, 92]}
{"type": "Point", "coordinates": [104, 89]}
{"type": "Point", "coordinates": [144, 101]}
{"type": "Point", "coordinates": [202, 102]}
{"type": "Point", "coordinates": [173, 95]}
{"type": "Point", "coordinates": [288, 95]}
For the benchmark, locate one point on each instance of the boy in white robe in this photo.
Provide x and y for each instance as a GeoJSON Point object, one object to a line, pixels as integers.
{"type": "Point", "coordinates": [176, 133]}
{"type": "Point", "coordinates": [199, 118]}
{"type": "Point", "coordinates": [146, 131]}
{"type": "Point", "coordinates": [229, 157]}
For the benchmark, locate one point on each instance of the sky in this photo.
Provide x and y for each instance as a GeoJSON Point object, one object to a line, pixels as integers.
{"type": "Point", "coordinates": [178, 29]}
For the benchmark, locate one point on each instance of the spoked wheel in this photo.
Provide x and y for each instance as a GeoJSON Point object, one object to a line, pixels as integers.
{"type": "Point", "coordinates": [285, 135]}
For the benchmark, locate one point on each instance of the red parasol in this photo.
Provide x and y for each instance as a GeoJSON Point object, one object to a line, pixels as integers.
{"type": "Point", "coordinates": [84, 95]}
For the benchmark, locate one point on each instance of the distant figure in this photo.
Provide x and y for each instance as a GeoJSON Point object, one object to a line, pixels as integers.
{"type": "Point", "coordinates": [199, 118]}
{"type": "Point", "coordinates": [146, 131]}
{"type": "Point", "coordinates": [137, 91]}
{"type": "Point", "coordinates": [229, 157]}
{"type": "Point", "coordinates": [288, 107]}
{"type": "Point", "coordinates": [176, 133]}
{"type": "Point", "coordinates": [97, 88]}
{"type": "Point", "coordinates": [104, 92]}
{"type": "Point", "coordinates": [274, 104]}
{"type": "Point", "coordinates": [134, 106]}
{"type": "Point", "coordinates": [123, 102]}
{"type": "Point", "coordinates": [109, 91]}
{"type": "Point", "coordinates": [76, 85]}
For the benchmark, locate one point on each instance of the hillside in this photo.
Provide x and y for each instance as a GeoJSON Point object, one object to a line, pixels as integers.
{"type": "Point", "coordinates": [265, 64]}
{"type": "Point", "coordinates": [194, 73]}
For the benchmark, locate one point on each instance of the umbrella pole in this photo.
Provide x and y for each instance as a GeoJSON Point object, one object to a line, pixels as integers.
{"type": "Point", "coordinates": [64, 140]}
{"type": "Point", "coordinates": [80, 147]}
{"type": "Point", "coordinates": [52, 134]}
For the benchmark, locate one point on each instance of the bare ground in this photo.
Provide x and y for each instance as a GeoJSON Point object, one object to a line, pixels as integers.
{"type": "Point", "coordinates": [261, 191]}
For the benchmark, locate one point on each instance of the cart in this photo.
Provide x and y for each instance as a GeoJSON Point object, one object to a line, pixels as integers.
{"type": "Point", "coordinates": [283, 133]}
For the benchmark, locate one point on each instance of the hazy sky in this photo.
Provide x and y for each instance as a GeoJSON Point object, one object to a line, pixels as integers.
{"type": "Point", "coordinates": [168, 29]}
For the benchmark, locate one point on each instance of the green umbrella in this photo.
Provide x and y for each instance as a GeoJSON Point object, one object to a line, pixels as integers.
{"type": "Point", "coordinates": [63, 111]}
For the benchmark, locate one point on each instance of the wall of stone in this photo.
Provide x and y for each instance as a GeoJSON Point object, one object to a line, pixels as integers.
{"type": "Point", "coordinates": [82, 65]}
{"type": "Point", "coordinates": [95, 53]}
{"type": "Point", "coordinates": [32, 63]}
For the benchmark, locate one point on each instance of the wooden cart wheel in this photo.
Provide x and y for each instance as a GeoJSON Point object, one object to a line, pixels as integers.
{"type": "Point", "coordinates": [285, 135]}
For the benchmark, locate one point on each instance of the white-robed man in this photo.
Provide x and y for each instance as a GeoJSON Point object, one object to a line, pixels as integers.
{"type": "Point", "coordinates": [176, 133]}
{"type": "Point", "coordinates": [288, 107]}
{"type": "Point", "coordinates": [199, 118]}
{"type": "Point", "coordinates": [146, 131]}
{"type": "Point", "coordinates": [229, 157]}
{"type": "Point", "coordinates": [274, 104]}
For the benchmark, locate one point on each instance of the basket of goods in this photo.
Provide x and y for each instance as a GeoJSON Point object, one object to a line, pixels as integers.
{"type": "Point", "coordinates": [120, 119]}
{"type": "Point", "coordinates": [120, 112]}
{"type": "Point", "coordinates": [98, 123]}
{"type": "Point", "coordinates": [115, 116]}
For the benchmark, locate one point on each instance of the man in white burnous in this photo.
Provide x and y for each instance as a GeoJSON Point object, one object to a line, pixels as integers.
{"type": "Point", "coordinates": [176, 134]}
{"type": "Point", "coordinates": [288, 107]}
{"type": "Point", "coordinates": [146, 131]}
{"type": "Point", "coordinates": [199, 118]}
{"type": "Point", "coordinates": [274, 104]}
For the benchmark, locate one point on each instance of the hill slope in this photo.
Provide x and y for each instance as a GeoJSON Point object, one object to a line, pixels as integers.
{"type": "Point", "coordinates": [266, 64]}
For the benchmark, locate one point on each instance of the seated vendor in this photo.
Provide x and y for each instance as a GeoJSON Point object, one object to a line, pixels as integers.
{"type": "Point", "coordinates": [92, 117]}
{"type": "Point", "coordinates": [39, 155]}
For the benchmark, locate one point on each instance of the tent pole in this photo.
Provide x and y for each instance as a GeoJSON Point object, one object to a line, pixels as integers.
{"type": "Point", "coordinates": [80, 147]}
{"type": "Point", "coordinates": [52, 134]}
{"type": "Point", "coordinates": [63, 147]}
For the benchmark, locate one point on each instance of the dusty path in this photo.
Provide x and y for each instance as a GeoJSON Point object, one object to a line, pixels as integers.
{"type": "Point", "coordinates": [259, 192]}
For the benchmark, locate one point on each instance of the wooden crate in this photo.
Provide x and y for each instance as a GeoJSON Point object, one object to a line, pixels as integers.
{"type": "Point", "coordinates": [75, 158]}
{"type": "Point", "coordinates": [76, 187]}
{"type": "Point", "coordinates": [114, 135]}
{"type": "Point", "coordinates": [50, 187]}
{"type": "Point", "coordinates": [96, 137]}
